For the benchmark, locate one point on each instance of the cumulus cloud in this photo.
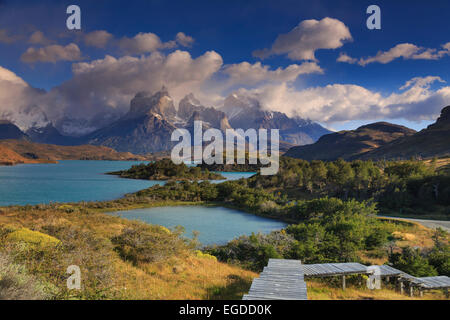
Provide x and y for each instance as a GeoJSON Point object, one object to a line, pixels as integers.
{"type": "Point", "coordinates": [52, 53]}
{"type": "Point", "coordinates": [403, 50]}
{"type": "Point", "coordinates": [38, 37]}
{"type": "Point", "coordinates": [343, 57]}
{"type": "Point", "coordinates": [246, 73]}
{"type": "Point", "coordinates": [98, 38]}
{"type": "Point", "coordinates": [106, 86]}
{"type": "Point", "coordinates": [17, 99]}
{"type": "Point", "coordinates": [6, 38]}
{"type": "Point", "coordinates": [310, 35]}
{"type": "Point", "coordinates": [144, 43]}
{"type": "Point", "coordinates": [343, 102]}
{"type": "Point", "coordinates": [184, 40]}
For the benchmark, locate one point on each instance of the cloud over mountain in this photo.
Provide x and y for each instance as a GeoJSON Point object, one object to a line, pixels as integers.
{"type": "Point", "coordinates": [246, 73]}
{"type": "Point", "coordinates": [342, 102]}
{"type": "Point", "coordinates": [406, 51]}
{"type": "Point", "coordinates": [52, 53]}
{"type": "Point", "coordinates": [98, 38]}
{"type": "Point", "coordinates": [184, 40]}
{"type": "Point", "coordinates": [144, 43]}
{"type": "Point", "coordinates": [302, 42]}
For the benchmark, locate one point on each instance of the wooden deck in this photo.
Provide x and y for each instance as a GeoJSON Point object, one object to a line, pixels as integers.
{"type": "Point", "coordinates": [282, 279]}
{"type": "Point", "coordinates": [439, 282]}
{"type": "Point", "coordinates": [333, 269]}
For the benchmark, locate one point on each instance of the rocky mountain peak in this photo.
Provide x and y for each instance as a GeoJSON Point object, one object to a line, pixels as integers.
{"type": "Point", "coordinates": [145, 103]}
{"type": "Point", "coordinates": [9, 130]}
{"type": "Point", "coordinates": [443, 121]}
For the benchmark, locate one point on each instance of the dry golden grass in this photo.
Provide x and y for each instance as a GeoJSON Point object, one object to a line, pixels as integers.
{"type": "Point", "coordinates": [185, 276]}
{"type": "Point", "coordinates": [408, 233]}
{"type": "Point", "coordinates": [439, 162]}
{"type": "Point", "coordinates": [321, 290]}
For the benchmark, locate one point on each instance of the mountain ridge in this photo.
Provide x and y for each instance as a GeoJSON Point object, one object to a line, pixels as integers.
{"type": "Point", "coordinates": [433, 141]}
{"type": "Point", "coordinates": [348, 144]}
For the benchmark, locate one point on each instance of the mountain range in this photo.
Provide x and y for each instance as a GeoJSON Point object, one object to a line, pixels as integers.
{"type": "Point", "coordinates": [151, 119]}
{"type": "Point", "coordinates": [433, 141]}
{"type": "Point", "coordinates": [381, 140]}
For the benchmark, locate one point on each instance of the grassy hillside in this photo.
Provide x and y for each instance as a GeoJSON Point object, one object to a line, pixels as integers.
{"type": "Point", "coordinates": [119, 259]}
{"type": "Point", "coordinates": [350, 143]}
{"type": "Point", "coordinates": [8, 157]}
{"type": "Point", "coordinates": [40, 151]}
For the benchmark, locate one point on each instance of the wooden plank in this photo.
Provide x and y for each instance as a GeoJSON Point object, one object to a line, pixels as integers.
{"type": "Point", "coordinates": [281, 279]}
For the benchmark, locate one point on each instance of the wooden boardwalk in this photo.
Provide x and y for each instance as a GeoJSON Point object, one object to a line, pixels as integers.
{"type": "Point", "coordinates": [333, 269]}
{"type": "Point", "coordinates": [282, 279]}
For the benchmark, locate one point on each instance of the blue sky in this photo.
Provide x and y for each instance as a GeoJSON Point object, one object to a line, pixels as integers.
{"type": "Point", "coordinates": [234, 30]}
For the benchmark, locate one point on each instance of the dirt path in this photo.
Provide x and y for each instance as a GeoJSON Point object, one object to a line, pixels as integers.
{"type": "Point", "coordinates": [433, 224]}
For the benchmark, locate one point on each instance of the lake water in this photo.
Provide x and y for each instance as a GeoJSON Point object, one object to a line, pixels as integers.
{"type": "Point", "coordinates": [216, 224]}
{"type": "Point", "coordinates": [71, 181]}
{"type": "Point", "coordinates": [77, 180]}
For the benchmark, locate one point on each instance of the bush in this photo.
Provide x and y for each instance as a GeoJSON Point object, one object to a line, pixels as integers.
{"type": "Point", "coordinates": [411, 261]}
{"type": "Point", "coordinates": [17, 284]}
{"type": "Point", "coordinates": [200, 254]}
{"type": "Point", "coordinates": [34, 238]}
{"type": "Point", "coordinates": [146, 243]}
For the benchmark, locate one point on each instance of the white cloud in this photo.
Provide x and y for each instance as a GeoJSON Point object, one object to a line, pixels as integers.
{"type": "Point", "coordinates": [402, 50]}
{"type": "Point", "coordinates": [5, 37]}
{"type": "Point", "coordinates": [16, 96]}
{"type": "Point", "coordinates": [144, 43]}
{"type": "Point", "coordinates": [343, 57]}
{"type": "Point", "coordinates": [38, 37]}
{"type": "Point", "coordinates": [184, 40]}
{"type": "Point", "coordinates": [343, 102]}
{"type": "Point", "coordinates": [98, 38]}
{"type": "Point", "coordinates": [310, 35]}
{"type": "Point", "coordinates": [52, 53]}
{"type": "Point", "coordinates": [246, 73]}
{"type": "Point", "coordinates": [106, 86]}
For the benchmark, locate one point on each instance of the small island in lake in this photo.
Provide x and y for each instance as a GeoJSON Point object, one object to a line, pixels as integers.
{"type": "Point", "coordinates": [165, 169]}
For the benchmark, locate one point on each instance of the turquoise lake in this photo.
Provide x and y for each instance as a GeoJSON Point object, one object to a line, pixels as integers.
{"type": "Point", "coordinates": [217, 225]}
{"type": "Point", "coordinates": [72, 181]}
{"type": "Point", "coordinates": [79, 180]}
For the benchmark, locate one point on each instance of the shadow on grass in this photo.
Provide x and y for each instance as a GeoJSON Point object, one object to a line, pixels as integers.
{"type": "Point", "coordinates": [235, 288]}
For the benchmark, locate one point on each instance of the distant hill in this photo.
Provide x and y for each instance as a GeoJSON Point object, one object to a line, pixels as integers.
{"type": "Point", "coordinates": [434, 141]}
{"type": "Point", "coordinates": [8, 130]}
{"type": "Point", "coordinates": [49, 134]}
{"type": "Point", "coordinates": [9, 157]}
{"type": "Point", "coordinates": [45, 152]}
{"type": "Point", "coordinates": [350, 144]}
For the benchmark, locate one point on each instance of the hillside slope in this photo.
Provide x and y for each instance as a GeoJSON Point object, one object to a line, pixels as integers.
{"type": "Point", "coordinates": [434, 141]}
{"type": "Point", "coordinates": [352, 143]}
{"type": "Point", "coordinates": [8, 130]}
{"type": "Point", "coordinates": [30, 150]}
{"type": "Point", "coordinates": [9, 157]}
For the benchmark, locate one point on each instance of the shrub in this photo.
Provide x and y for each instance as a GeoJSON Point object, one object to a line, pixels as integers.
{"type": "Point", "coordinates": [411, 261]}
{"type": "Point", "coordinates": [17, 284]}
{"type": "Point", "coordinates": [34, 238]}
{"type": "Point", "coordinates": [200, 254]}
{"type": "Point", "coordinates": [143, 243]}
